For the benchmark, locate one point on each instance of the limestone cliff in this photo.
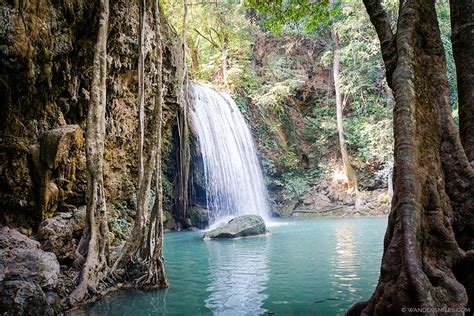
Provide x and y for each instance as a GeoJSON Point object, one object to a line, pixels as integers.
{"type": "Point", "coordinates": [45, 72]}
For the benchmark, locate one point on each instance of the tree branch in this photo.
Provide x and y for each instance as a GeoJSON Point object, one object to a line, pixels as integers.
{"type": "Point", "coordinates": [381, 22]}
{"type": "Point", "coordinates": [213, 43]}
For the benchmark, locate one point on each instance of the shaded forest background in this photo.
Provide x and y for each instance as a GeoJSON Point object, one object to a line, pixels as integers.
{"type": "Point", "coordinates": [287, 76]}
{"type": "Point", "coordinates": [280, 74]}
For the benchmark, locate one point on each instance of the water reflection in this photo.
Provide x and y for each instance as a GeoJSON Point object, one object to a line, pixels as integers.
{"type": "Point", "coordinates": [318, 267]}
{"type": "Point", "coordinates": [238, 277]}
{"type": "Point", "coordinates": [345, 262]}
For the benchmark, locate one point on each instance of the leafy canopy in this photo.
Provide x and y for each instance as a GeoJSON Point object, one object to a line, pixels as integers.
{"type": "Point", "coordinates": [301, 15]}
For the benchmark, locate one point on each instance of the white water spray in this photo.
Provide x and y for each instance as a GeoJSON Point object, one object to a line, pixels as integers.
{"type": "Point", "coordinates": [234, 181]}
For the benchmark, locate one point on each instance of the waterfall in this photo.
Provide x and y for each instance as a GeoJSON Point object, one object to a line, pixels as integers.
{"type": "Point", "coordinates": [234, 181]}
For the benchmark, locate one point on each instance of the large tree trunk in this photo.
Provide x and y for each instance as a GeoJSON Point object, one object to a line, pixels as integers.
{"type": "Point", "coordinates": [425, 264]}
{"type": "Point", "coordinates": [95, 234]}
{"type": "Point", "coordinates": [346, 163]}
{"type": "Point", "coordinates": [462, 25]}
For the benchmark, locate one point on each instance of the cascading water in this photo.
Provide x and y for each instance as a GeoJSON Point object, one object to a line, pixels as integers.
{"type": "Point", "coordinates": [234, 181]}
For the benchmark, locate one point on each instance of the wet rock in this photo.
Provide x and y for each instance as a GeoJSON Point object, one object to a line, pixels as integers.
{"type": "Point", "coordinates": [284, 209]}
{"type": "Point", "coordinates": [241, 226]}
{"type": "Point", "coordinates": [34, 265]}
{"type": "Point", "coordinates": [58, 234]}
{"type": "Point", "coordinates": [168, 220]}
{"type": "Point", "coordinates": [23, 298]}
{"type": "Point", "coordinates": [199, 217]}
{"type": "Point", "coordinates": [25, 272]}
{"type": "Point", "coordinates": [45, 82]}
{"type": "Point", "coordinates": [56, 144]}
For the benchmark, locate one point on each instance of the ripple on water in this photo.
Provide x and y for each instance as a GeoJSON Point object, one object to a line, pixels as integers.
{"type": "Point", "coordinates": [304, 267]}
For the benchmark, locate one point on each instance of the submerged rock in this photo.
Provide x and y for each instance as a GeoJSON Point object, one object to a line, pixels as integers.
{"type": "Point", "coordinates": [241, 226]}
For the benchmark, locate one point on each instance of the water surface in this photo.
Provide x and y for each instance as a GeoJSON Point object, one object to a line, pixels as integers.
{"type": "Point", "coordinates": [319, 266]}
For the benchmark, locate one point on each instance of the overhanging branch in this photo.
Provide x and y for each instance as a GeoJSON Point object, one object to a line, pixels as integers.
{"type": "Point", "coordinates": [381, 22]}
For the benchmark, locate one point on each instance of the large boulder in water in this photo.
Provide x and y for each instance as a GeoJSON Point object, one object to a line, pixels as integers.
{"type": "Point", "coordinates": [241, 226]}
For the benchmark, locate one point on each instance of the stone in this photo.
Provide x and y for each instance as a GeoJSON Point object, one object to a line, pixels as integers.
{"type": "Point", "coordinates": [346, 198]}
{"type": "Point", "coordinates": [199, 217]}
{"type": "Point", "coordinates": [359, 202]}
{"type": "Point", "coordinates": [11, 238]}
{"type": "Point", "coordinates": [22, 259]}
{"type": "Point", "coordinates": [316, 199]}
{"type": "Point", "coordinates": [168, 221]}
{"type": "Point", "coordinates": [56, 144]}
{"type": "Point", "coordinates": [23, 298]}
{"type": "Point", "coordinates": [33, 265]}
{"type": "Point", "coordinates": [55, 158]}
{"type": "Point", "coordinates": [58, 233]}
{"type": "Point", "coordinates": [241, 226]}
{"type": "Point", "coordinates": [384, 198]}
{"type": "Point", "coordinates": [284, 210]}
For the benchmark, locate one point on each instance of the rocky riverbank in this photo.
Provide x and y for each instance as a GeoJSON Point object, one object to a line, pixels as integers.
{"type": "Point", "coordinates": [329, 198]}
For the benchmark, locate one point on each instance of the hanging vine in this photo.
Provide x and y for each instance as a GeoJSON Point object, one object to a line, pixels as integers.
{"type": "Point", "coordinates": [183, 128]}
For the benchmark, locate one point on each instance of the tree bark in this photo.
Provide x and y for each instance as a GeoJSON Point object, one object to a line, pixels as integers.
{"type": "Point", "coordinates": [346, 163]}
{"type": "Point", "coordinates": [95, 234]}
{"type": "Point", "coordinates": [141, 89]}
{"type": "Point", "coordinates": [425, 263]}
{"type": "Point", "coordinates": [155, 277]}
{"type": "Point", "coordinates": [134, 242]}
{"type": "Point", "coordinates": [194, 53]}
{"type": "Point", "coordinates": [462, 26]}
{"type": "Point", "coordinates": [183, 130]}
{"type": "Point", "coordinates": [146, 240]}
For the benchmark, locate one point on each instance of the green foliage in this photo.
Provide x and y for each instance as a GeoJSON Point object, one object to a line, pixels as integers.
{"type": "Point", "coordinates": [371, 140]}
{"type": "Point", "coordinates": [224, 32]}
{"type": "Point", "coordinates": [120, 227]}
{"type": "Point", "coordinates": [273, 95]}
{"type": "Point", "coordinates": [219, 39]}
{"type": "Point", "coordinates": [294, 184]}
{"type": "Point", "coordinates": [293, 15]}
{"type": "Point", "coordinates": [249, 81]}
{"type": "Point", "coordinates": [444, 20]}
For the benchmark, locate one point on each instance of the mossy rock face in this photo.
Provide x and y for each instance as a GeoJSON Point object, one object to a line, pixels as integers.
{"type": "Point", "coordinates": [199, 217]}
{"type": "Point", "coordinates": [168, 220]}
{"type": "Point", "coordinates": [55, 161]}
{"type": "Point", "coordinates": [241, 226]}
{"type": "Point", "coordinates": [284, 210]}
